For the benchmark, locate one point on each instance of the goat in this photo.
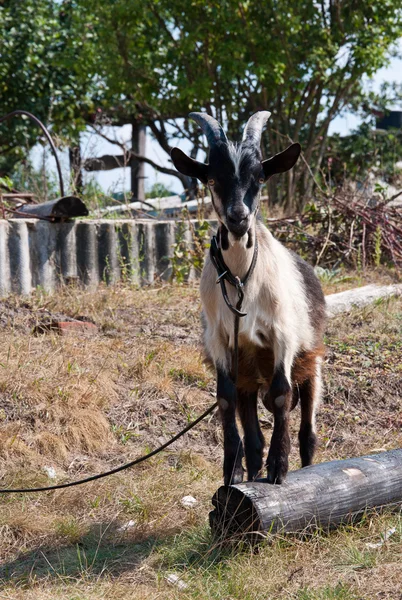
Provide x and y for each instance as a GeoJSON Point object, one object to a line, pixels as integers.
{"type": "Point", "coordinates": [280, 338]}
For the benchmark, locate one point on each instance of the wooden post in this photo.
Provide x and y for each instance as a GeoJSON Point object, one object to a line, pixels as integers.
{"type": "Point", "coordinates": [322, 495]}
{"type": "Point", "coordinates": [138, 168]}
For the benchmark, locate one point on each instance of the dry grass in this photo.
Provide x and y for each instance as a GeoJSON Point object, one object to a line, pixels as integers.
{"type": "Point", "coordinates": [341, 279]}
{"type": "Point", "coordinates": [82, 405]}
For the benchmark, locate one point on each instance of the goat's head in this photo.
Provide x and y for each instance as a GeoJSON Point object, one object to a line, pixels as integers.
{"type": "Point", "coordinates": [235, 173]}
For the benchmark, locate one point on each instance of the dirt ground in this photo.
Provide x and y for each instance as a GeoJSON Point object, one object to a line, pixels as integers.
{"type": "Point", "coordinates": [75, 405]}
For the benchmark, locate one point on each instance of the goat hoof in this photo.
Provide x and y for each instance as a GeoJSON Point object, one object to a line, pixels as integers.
{"type": "Point", "coordinates": [235, 476]}
{"type": "Point", "coordinates": [253, 475]}
{"type": "Point", "coordinates": [277, 469]}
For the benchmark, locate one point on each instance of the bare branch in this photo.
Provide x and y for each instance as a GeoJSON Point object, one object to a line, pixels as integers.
{"type": "Point", "coordinates": [161, 136]}
{"type": "Point", "coordinates": [108, 162]}
{"type": "Point", "coordinates": [121, 145]}
{"type": "Point", "coordinates": [395, 196]}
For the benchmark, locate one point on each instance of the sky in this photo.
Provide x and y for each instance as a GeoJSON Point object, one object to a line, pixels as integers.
{"type": "Point", "coordinates": [119, 179]}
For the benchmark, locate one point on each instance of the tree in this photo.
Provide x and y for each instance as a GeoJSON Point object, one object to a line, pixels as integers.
{"type": "Point", "coordinates": [41, 72]}
{"type": "Point", "coordinates": [80, 63]}
{"type": "Point", "coordinates": [364, 150]}
{"type": "Point", "coordinates": [27, 33]}
{"type": "Point", "coordinates": [304, 60]}
{"type": "Point", "coordinates": [132, 43]}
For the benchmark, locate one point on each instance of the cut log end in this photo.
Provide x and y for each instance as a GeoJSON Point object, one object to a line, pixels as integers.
{"type": "Point", "coordinates": [234, 514]}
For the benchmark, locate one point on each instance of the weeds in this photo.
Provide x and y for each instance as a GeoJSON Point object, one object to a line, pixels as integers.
{"type": "Point", "coordinates": [377, 246]}
{"type": "Point", "coordinates": [189, 248]}
{"type": "Point", "coordinates": [344, 230]}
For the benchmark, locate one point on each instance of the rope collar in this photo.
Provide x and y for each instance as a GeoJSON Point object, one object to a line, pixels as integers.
{"type": "Point", "coordinates": [225, 274]}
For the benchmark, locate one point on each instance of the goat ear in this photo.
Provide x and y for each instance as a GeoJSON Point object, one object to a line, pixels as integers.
{"type": "Point", "coordinates": [188, 166]}
{"type": "Point", "coordinates": [281, 162]}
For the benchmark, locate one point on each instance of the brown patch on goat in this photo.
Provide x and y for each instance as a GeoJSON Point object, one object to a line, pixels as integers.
{"type": "Point", "coordinates": [305, 365]}
{"type": "Point", "coordinates": [256, 368]}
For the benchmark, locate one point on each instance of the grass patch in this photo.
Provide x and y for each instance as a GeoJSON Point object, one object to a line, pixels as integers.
{"type": "Point", "coordinates": [339, 592]}
{"type": "Point", "coordinates": [84, 405]}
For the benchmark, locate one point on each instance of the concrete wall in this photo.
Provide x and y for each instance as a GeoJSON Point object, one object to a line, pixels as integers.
{"type": "Point", "coordinates": [38, 253]}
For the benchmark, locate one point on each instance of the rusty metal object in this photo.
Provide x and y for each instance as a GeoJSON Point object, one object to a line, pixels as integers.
{"type": "Point", "coordinates": [60, 209]}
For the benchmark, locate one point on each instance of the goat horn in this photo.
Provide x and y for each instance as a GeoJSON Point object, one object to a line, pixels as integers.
{"type": "Point", "coordinates": [210, 127]}
{"type": "Point", "coordinates": [255, 125]}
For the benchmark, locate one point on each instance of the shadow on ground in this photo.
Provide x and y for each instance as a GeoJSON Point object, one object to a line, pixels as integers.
{"type": "Point", "coordinates": [105, 550]}
{"type": "Point", "coordinates": [101, 550]}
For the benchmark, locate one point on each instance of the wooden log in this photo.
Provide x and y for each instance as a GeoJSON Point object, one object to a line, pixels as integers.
{"type": "Point", "coordinates": [323, 495]}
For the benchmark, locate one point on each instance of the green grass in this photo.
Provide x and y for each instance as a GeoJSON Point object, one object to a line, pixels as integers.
{"type": "Point", "coordinates": [338, 592]}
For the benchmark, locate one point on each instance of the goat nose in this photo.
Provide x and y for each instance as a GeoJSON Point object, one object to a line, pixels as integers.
{"type": "Point", "coordinates": [236, 220]}
{"type": "Point", "coordinates": [238, 214]}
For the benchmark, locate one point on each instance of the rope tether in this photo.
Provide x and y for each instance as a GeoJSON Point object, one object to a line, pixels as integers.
{"type": "Point", "coordinates": [117, 469]}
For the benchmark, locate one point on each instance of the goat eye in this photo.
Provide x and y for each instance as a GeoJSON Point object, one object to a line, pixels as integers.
{"type": "Point", "coordinates": [261, 180]}
{"type": "Point", "coordinates": [211, 181]}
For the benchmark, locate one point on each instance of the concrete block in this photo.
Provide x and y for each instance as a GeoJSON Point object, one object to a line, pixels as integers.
{"type": "Point", "coordinates": [18, 249]}
{"type": "Point", "coordinates": [202, 233]}
{"type": "Point", "coordinates": [42, 248]}
{"type": "Point", "coordinates": [87, 253]}
{"type": "Point", "coordinates": [164, 242]}
{"type": "Point", "coordinates": [127, 234]}
{"type": "Point", "coordinates": [41, 253]}
{"type": "Point", "coordinates": [184, 243]}
{"type": "Point", "coordinates": [5, 280]}
{"type": "Point", "coordinates": [67, 252]}
{"type": "Point", "coordinates": [146, 251]}
{"type": "Point", "coordinates": [109, 268]}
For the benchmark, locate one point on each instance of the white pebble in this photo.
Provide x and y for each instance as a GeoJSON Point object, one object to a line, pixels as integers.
{"type": "Point", "coordinates": [384, 538]}
{"type": "Point", "coordinates": [127, 525]}
{"type": "Point", "coordinates": [175, 580]}
{"type": "Point", "coordinates": [188, 501]}
{"type": "Point", "coordinates": [50, 471]}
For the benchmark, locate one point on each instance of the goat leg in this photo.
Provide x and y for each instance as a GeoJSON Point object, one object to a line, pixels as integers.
{"type": "Point", "coordinates": [232, 445]}
{"type": "Point", "coordinates": [253, 438]}
{"type": "Point", "coordinates": [310, 395]}
{"type": "Point", "coordinates": [278, 455]}
{"type": "Point", "coordinates": [278, 400]}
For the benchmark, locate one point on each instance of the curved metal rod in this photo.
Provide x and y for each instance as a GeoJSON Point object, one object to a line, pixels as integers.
{"type": "Point", "coordinates": [47, 134]}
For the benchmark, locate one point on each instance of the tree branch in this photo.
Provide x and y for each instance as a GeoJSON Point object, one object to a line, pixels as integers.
{"type": "Point", "coordinates": [109, 162]}
{"type": "Point", "coordinates": [160, 135]}
{"type": "Point", "coordinates": [121, 145]}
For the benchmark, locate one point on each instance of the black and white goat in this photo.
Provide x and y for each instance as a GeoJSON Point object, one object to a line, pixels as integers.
{"type": "Point", "coordinates": [280, 339]}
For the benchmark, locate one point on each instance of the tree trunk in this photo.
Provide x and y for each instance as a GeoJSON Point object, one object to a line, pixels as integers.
{"type": "Point", "coordinates": [311, 180]}
{"type": "Point", "coordinates": [272, 191]}
{"type": "Point", "coordinates": [290, 199]}
{"type": "Point", "coordinates": [138, 143]}
{"type": "Point", "coordinates": [191, 189]}
{"type": "Point", "coordinates": [74, 153]}
{"type": "Point", "coordinates": [272, 148]}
